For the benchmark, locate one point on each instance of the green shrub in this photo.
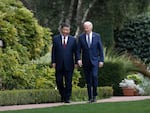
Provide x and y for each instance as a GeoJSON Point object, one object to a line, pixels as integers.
{"type": "Point", "coordinates": [116, 67]}
{"type": "Point", "coordinates": [134, 37]}
{"type": "Point", "coordinates": [34, 96]}
{"type": "Point", "coordinates": [111, 74]}
{"type": "Point", "coordinates": [24, 39]}
{"type": "Point", "coordinates": [14, 97]}
{"type": "Point", "coordinates": [106, 32]}
{"type": "Point", "coordinates": [21, 31]}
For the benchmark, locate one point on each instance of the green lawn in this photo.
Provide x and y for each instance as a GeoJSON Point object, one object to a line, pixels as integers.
{"type": "Point", "coordinates": [115, 107]}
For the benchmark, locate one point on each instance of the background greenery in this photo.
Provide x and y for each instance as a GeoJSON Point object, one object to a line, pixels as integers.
{"type": "Point", "coordinates": [26, 34]}
{"type": "Point", "coordinates": [37, 96]}
{"type": "Point", "coordinates": [135, 37]}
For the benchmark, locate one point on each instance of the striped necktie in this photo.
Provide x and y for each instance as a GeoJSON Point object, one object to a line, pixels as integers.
{"type": "Point", "coordinates": [88, 41]}
{"type": "Point", "coordinates": [64, 42]}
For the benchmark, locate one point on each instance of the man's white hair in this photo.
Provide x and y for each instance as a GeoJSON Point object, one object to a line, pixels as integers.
{"type": "Point", "coordinates": [88, 23]}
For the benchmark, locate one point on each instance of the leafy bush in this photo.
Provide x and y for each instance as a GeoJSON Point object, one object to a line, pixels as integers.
{"type": "Point", "coordinates": [106, 32]}
{"type": "Point", "coordinates": [134, 37]}
{"type": "Point", "coordinates": [14, 97]}
{"type": "Point", "coordinates": [110, 75]}
{"type": "Point", "coordinates": [28, 76]}
{"type": "Point", "coordinates": [21, 31]}
{"type": "Point", "coordinates": [18, 97]}
{"type": "Point", "coordinates": [24, 39]}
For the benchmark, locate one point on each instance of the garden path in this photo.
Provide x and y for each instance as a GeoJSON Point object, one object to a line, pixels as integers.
{"type": "Point", "coordinates": [112, 99]}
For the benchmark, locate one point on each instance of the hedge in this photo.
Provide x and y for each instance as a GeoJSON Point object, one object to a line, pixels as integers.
{"type": "Point", "coordinates": [34, 96]}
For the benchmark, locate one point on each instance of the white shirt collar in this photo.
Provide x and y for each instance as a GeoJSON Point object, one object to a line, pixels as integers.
{"type": "Point", "coordinates": [66, 38]}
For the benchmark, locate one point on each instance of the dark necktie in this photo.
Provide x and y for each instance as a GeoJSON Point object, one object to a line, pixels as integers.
{"type": "Point", "coordinates": [64, 42]}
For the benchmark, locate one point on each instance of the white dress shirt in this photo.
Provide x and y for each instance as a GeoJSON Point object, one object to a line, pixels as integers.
{"type": "Point", "coordinates": [90, 35]}
{"type": "Point", "coordinates": [66, 39]}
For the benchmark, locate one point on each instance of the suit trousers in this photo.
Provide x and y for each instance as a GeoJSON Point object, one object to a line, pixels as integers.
{"type": "Point", "coordinates": [91, 76]}
{"type": "Point", "coordinates": [64, 83]}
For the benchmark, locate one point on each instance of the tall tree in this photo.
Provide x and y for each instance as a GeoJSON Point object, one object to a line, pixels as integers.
{"type": "Point", "coordinates": [52, 13]}
{"type": "Point", "coordinates": [82, 17]}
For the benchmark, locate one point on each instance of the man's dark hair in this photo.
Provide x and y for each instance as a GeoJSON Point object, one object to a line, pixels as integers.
{"type": "Point", "coordinates": [64, 25]}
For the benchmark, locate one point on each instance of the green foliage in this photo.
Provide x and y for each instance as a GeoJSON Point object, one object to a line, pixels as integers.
{"type": "Point", "coordinates": [106, 32]}
{"type": "Point", "coordinates": [27, 76]}
{"type": "Point", "coordinates": [135, 37]}
{"type": "Point", "coordinates": [111, 13]}
{"type": "Point", "coordinates": [45, 77]}
{"type": "Point", "coordinates": [81, 93]}
{"type": "Point", "coordinates": [118, 11]}
{"type": "Point", "coordinates": [21, 31]}
{"type": "Point", "coordinates": [111, 74]}
{"type": "Point", "coordinates": [33, 75]}
{"type": "Point", "coordinates": [116, 67]}
{"type": "Point", "coordinates": [24, 39]}
{"type": "Point", "coordinates": [75, 79]}
{"type": "Point", "coordinates": [46, 61]}
{"type": "Point", "coordinates": [135, 78]}
{"type": "Point", "coordinates": [18, 97]}
{"type": "Point", "coordinates": [15, 97]}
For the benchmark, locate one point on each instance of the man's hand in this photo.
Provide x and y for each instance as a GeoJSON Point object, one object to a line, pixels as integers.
{"type": "Point", "coordinates": [101, 64]}
{"type": "Point", "coordinates": [53, 65]}
{"type": "Point", "coordinates": [80, 63]}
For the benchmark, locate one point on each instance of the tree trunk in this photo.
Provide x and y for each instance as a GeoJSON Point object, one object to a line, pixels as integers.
{"type": "Point", "coordinates": [80, 20]}
{"type": "Point", "coordinates": [68, 20]}
{"type": "Point", "coordinates": [88, 10]}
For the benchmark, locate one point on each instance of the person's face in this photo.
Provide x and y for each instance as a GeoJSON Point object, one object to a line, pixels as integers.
{"type": "Point", "coordinates": [65, 31]}
{"type": "Point", "coordinates": [87, 28]}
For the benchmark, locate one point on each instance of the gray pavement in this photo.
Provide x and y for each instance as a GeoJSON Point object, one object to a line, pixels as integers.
{"type": "Point", "coordinates": [112, 99]}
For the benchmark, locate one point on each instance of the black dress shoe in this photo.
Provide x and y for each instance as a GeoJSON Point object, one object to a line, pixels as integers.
{"type": "Point", "coordinates": [90, 101]}
{"type": "Point", "coordinates": [94, 99]}
{"type": "Point", "coordinates": [67, 101]}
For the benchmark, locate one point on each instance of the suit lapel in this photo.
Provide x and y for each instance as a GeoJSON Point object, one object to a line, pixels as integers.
{"type": "Point", "coordinates": [60, 41]}
{"type": "Point", "coordinates": [93, 39]}
{"type": "Point", "coordinates": [84, 40]}
{"type": "Point", "coordinates": [68, 41]}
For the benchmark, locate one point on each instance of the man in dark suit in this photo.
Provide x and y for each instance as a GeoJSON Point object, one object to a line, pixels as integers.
{"type": "Point", "coordinates": [90, 47]}
{"type": "Point", "coordinates": [63, 60]}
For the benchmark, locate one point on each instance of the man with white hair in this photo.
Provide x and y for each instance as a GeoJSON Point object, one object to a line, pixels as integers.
{"type": "Point", "coordinates": [90, 47]}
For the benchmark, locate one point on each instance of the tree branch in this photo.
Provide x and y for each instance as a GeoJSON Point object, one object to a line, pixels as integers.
{"type": "Point", "coordinates": [70, 12]}
{"type": "Point", "coordinates": [80, 21]}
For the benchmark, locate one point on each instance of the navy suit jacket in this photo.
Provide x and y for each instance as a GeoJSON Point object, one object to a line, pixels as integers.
{"type": "Point", "coordinates": [94, 54]}
{"type": "Point", "coordinates": [64, 56]}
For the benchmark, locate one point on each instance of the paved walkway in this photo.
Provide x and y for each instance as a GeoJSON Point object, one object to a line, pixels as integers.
{"type": "Point", "coordinates": [112, 99]}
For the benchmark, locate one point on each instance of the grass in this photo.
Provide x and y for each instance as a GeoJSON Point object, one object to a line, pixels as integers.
{"type": "Point", "coordinates": [110, 107]}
